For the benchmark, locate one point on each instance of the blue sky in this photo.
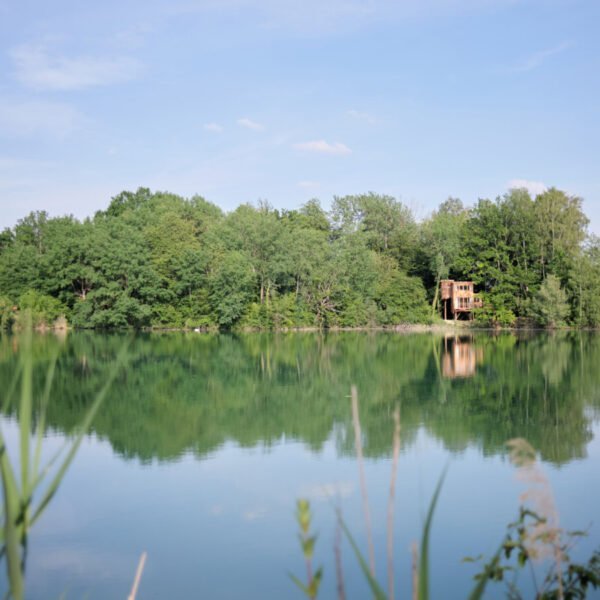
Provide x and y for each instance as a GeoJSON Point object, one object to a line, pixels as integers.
{"type": "Point", "coordinates": [284, 100]}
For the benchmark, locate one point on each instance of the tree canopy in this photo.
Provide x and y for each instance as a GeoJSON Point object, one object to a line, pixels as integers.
{"type": "Point", "coordinates": [154, 259]}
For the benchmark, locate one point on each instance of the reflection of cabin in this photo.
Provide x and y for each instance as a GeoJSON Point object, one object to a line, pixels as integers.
{"type": "Point", "coordinates": [459, 298]}
{"type": "Point", "coordinates": [460, 357]}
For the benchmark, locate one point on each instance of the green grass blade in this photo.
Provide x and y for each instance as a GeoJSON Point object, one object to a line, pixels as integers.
{"type": "Point", "coordinates": [11, 516]}
{"type": "Point", "coordinates": [41, 425]}
{"type": "Point", "coordinates": [25, 410]}
{"type": "Point", "coordinates": [83, 428]}
{"type": "Point", "coordinates": [11, 388]}
{"type": "Point", "coordinates": [378, 592]}
{"type": "Point", "coordinates": [424, 558]}
{"type": "Point", "coordinates": [48, 466]}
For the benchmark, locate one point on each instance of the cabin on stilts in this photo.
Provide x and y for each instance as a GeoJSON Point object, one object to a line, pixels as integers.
{"type": "Point", "coordinates": [458, 299]}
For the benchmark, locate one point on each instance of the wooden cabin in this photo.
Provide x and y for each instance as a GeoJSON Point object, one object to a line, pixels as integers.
{"type": "Point", "coordinates": [458, 298]}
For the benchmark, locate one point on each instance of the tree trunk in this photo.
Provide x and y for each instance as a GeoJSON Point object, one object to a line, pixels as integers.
{"type": "Point", "coordinates": [435, 297]}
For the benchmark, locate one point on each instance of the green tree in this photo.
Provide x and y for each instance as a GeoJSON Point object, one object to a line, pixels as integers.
{"type": "Point", "coordinates": [550, 306]}
{"type": "Point", "coordinates": [387, 224]}
{"type": "Point", "coordinates": [6, 313]}
{"type": "Point", "coordinates": [232, 285]}
{"type": "Point", "coordinates": [561, 226]}
{"type": "Point", "coordinates": [44, 310]}
{"type": "Point", "coordinates": [440, 244]}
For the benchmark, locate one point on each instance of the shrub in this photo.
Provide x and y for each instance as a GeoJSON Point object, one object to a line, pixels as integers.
{"type": "Point", "coordinates": [7, 315]}
{"type": "Point", "coordinates": [45, 310]}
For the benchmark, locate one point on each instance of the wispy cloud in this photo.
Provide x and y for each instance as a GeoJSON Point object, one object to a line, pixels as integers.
{"type": "Point", "coordinates": [249, 124]}
{"type": "Point", "coordinates": [323, 147]}
{"type": "Point", "coordinates": [308, 185]}
{"type": "Point", "coordinates": [8, 163]}
{"type": "Point", "coordinates": [21, 172]}
{"type": "Point", "coordinates": [23, 119]}
{"type": "Point", "coordinates": [533, 187]}
{"type": "Point", "coordinates": [328, 490]}
{"type": "Point", "coordinates": [37, 69]}
{"type": "Point", "coordinates": [213, 127]}
{"type": "Point", "coordinates": [318, 17]}
{"type": "Point", "coordinates": [308, 16]}
{"type": "Point", "coordinates": [361, 116]}
{"type": "Point", "coordinates": [536, 59]}
{"type": "Point", "coordinates": [133, 37]}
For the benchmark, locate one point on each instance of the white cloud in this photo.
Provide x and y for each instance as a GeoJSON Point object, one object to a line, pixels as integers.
{"type": "Point", "coordinates": [362, 116]}
{"type": "Point", "coordinates": [38, 117]}
{"type": "Point", "coordinates": [35, 68]}
{"type": "Point", "coordinates": [538, 58]}
{"type": "Point", "coordinates": [214, 127]}
{"type": "Point", "coordinates": [323, 147]}
{"type": "Point", "coordinates": [308, 185]}
{"type": "Point", "coordinates": [533, 187]}
{"type": "Point", "coordinates": [249, 124]}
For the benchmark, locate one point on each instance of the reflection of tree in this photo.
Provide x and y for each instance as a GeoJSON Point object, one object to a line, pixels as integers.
{"type": "Point", "coordinates": [188, 392]}
{"type": "Point", "coordinates": [532, 389]}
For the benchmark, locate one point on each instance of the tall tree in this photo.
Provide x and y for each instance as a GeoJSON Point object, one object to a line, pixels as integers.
{"type": "Point", "coordinates": [561, 227]}
{"type": "Point", "coordinates": [440, 244]}
{"type": "Point", "coordinates": [388, 225]}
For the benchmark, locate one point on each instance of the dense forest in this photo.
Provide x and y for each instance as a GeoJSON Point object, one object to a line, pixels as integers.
{"type": "Point", "coordinates": [160, 260]}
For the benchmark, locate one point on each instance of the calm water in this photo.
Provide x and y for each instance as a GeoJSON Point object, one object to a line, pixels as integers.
{"type": "Point", "coordinates": [205, 443]}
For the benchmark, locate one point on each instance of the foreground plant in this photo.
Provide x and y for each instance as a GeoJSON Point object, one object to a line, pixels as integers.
{"type": "Point", "coordinates": [572, 581]}
{"type": "Point", "coordinates": [307, 543]}
{"type": "Point", "coordinates": [27, 486]}
{"type": "Point", "coordinates": [535, 539]}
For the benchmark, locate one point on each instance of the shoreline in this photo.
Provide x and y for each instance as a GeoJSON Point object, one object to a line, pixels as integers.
{"type": "Point", "coordinates": [402, 328]}
{"type": "Point", "coordinates": [448, 327]}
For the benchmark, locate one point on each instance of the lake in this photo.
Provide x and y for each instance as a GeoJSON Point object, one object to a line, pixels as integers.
{"type": "Point", "coordinates": [205, 442]}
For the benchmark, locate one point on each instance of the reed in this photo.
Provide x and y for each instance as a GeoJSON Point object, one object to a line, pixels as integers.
{"type": "Point", "coordinates": [28, 486]}
{"type": "Point", "coordinates": [420, 580]}
{"type": "Point", "coordinates": [391, 503]}
{"type": "Point", "coordinates": [138, 577]}
{"type": "Point", "coordinates": [533, 536]}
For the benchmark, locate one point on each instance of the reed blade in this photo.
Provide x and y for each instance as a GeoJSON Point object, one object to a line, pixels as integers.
{"type": "Point", "coordinates": [376, 589]}
{"type": "Point", "coordinates": [424, 558]}
{"type": "Point", "coordinates": [83, 429]}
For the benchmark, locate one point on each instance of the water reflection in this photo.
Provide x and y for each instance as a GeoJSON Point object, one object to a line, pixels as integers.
{"type": "Point", "coordinates": [193, 393]}
{"type": "Point", "coordinates": [200, 401]}
{"type": "Point", "coordinates": [460, 356]}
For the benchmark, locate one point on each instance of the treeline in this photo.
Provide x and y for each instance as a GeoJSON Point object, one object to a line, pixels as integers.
{"type": "Point", "coordinates": [156, 259]}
